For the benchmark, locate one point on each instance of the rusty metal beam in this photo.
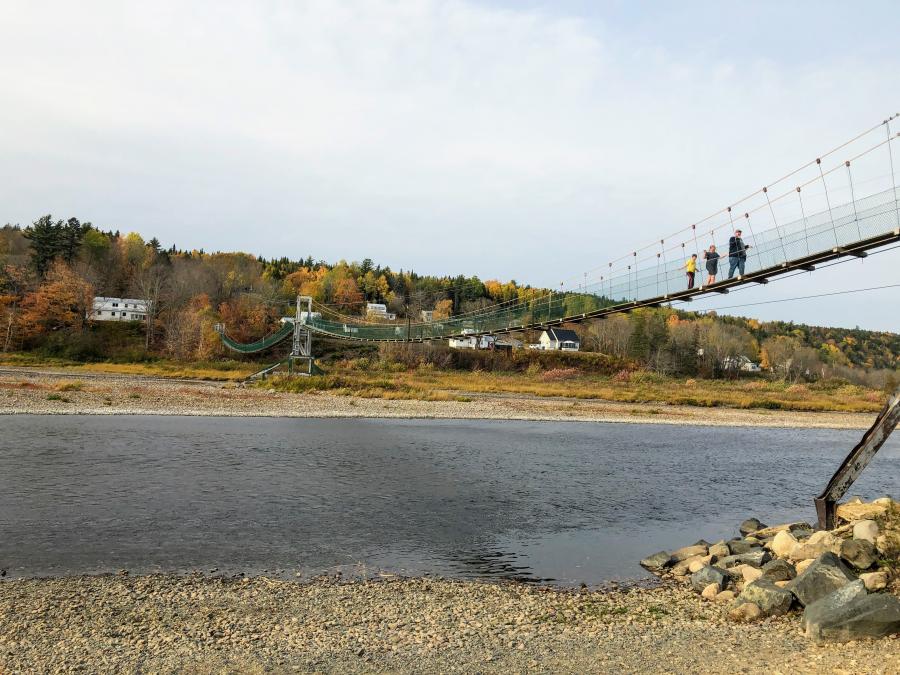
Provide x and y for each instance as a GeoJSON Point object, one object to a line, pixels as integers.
{"type": "Point", "coordinates": [857, 460]}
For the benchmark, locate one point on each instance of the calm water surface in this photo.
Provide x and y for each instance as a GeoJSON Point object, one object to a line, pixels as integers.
{"type": "Point", "coordinates": [570, 502]}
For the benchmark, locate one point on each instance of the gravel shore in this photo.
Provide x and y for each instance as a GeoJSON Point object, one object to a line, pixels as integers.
{"type": "Point", "coordinates": [24, 391]}
{"type": "Point", "coordinates": [199, 624]}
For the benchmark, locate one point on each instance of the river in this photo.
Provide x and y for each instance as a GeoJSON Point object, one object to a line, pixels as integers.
{"type": "Point", "coordinates": [568, 502]}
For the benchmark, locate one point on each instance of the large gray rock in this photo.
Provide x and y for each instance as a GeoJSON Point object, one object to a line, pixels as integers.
{"type": "Point", "coordinates": [751, 525]}
{"type": "Point", "coordinates": [779, 570]}
{"type": "Point", "coordinates": [756, 557]}
{"type": "Point", "coordinates": [827, 609]}
{"type": "Point", "coordinates": [657, 562]}
{"type": "Point", "coordinates": [738, 546]}
{"type": "Point", "coordinates": [706, 576]}
{"type": "Point", "coordinates": [864, 616]}
{"type": "Point", "coordinates": [771, 599]}
{"type": "Point", "coordinates": [859, 553]}
{"type": "Point", "coordinates": [823, 576]}
{"type": "Point", "coordinates": [719, 550]}
{"type": "Point", "coordinates": [689, 552]}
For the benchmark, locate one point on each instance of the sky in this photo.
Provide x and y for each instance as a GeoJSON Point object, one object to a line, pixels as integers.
{"type": "Point", "coordinates": [526, 140]}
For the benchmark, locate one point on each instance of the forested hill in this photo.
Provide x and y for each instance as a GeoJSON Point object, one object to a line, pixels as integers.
{"type": "Point", "coordinates": [856, 346]}
{"type": "Point", "coordinates": [50, 271]}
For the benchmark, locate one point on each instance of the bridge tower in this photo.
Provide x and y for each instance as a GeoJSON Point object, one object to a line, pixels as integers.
{"type": "Point", "coordinates": [301, 349]}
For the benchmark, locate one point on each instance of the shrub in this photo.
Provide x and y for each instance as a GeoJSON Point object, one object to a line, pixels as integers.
{"type": "Point", "coordinates": [560, 374]}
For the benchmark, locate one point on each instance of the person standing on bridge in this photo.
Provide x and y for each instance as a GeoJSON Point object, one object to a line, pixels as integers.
{"type": "Point", "coordinates": [712, 264]}
{"type": "Point", "coordinates": [691, 267]}
{"type": "Point", "coordinates": [737, 254]}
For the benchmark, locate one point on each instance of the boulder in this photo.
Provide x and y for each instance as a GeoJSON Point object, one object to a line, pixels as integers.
{"type": "Point", "coordinates": [711, 591]}
{"type": "Point", "coordinates": [771, 600]}
{"type": "Point", "coordinates": [698, 565]}
{"type": "Point", "coordinates": [866, 530]}
{"type": "Point", "coordinates": [756, 557]}
{"type": "Point", "coordinates": [783, 543]}
{"type": "Point", "coordinates": [689, 552]}
{"type": "Point", "coordinates": [778, 570]}
{"type": "Point", "coordinates": [859, 510]}
{"type": "Point", "coordinates": [816, 545]}
{"type": "Point", "coordinates": [802, 565]}
{"type": "Point", "coordinates": [745, 612]}
{"type": "Point", "coordinates": [708, 575]}
{"type": "Point", "coordinates": [719, 550]}
{"type": "Point", "coordinates": [886, 502]}
{"type": "Point", "coordinates": [657, 562]}
{"type": "Point", "coordinates": [750, 573]}
{"type": "Point", "coordinates": [683, 568]}
{"type": "Point", "coordinates": [725, 596]}
{"type": "Point", "coordinates": [767, 532]}
{"type": "Point", "coordinates": [825, 575]}
{"type": "Point", "coordinates": [865, 616]}
{"type": "Point", "coordinates": [827, 608]}
{"type": "Point", "coordinates": [858, 552]}
{"type": "Point", "coordinates": [751, 525]}
{"type": "Point", "coordinates": [739, 546]}
{"type": "Point", "coordinates": [874, 581]}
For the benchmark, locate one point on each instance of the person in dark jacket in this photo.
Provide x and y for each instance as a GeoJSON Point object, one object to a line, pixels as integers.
{"type": "Point", "coordinates": [737, 254]}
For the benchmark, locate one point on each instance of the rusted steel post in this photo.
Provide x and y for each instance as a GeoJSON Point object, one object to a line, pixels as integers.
{"type": "Point", "coordinates": [857, 460]}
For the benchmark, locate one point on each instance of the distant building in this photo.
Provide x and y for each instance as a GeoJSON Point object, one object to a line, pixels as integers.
{"type": "Point", "coordinates": [466, 342]}
{"type": "Point", "coordinates": [741, 363]}
{"type": "Point", "coordinates": [560, 339]}
{"type": "Point", "coordinates": [484, 342]}
{"type": "Point", "coordinates": [376, 310]}
{"type": "Point", "coordinates": [119, 309]}
{"type": "Point", "coordinates": [427, 315]}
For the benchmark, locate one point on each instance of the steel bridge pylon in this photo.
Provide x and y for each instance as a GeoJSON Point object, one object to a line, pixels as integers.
{"type": "Point", "coordinates": [301, 347]}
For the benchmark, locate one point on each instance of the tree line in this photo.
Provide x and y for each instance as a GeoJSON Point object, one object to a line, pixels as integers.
{"type": "Point", "coordinates": [51, 270]}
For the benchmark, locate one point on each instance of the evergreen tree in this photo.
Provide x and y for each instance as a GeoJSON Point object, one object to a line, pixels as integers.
{"type": "Point", "coordinates": [45, 239]}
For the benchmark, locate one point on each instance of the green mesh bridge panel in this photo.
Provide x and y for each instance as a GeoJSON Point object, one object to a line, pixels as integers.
{"type": "Point", "coordinates": [283, 333]}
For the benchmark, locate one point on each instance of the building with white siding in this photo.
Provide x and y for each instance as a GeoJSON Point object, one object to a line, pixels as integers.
{"type": "Point", "coordinates": [119, 309]}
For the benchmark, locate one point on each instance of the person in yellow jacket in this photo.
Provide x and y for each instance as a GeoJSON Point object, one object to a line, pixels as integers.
{"type": "Point", "coordinates": [691, 267]}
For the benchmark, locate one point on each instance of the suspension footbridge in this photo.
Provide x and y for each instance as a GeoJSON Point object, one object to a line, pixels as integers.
{"type": "Point", "coordinates": [840, 205]}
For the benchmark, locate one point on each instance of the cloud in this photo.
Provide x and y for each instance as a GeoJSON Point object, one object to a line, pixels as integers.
{"type": "Point", "coordinates": [442, 136]}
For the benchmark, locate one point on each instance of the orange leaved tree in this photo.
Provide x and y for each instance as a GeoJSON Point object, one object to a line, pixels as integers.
{"type": "Point", "coordinates": [63, 301]}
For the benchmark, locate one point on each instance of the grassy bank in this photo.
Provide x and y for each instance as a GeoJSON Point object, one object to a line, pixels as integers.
{"type": "Point", "coordinates": [203, 370]}
{"type": "Point", "coordinates": [428, 383]}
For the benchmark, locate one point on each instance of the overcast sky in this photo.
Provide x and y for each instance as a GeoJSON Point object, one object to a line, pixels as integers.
{"type": "Point", "coordinates": [525, 140]}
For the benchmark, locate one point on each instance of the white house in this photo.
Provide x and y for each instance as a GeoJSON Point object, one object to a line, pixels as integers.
{"type": "Point", "coordinates": [741, 363]}
{"type": "Point", "coordinates": [119, 309]}
{"type": "Point", "coordinates": [428, 315]}
{"type": "Point", "coordinates": [377, 310]}
{"type": "Point", "coordinates": [560, 339]}
{"type": "Point", "coordinates": [468, 342]}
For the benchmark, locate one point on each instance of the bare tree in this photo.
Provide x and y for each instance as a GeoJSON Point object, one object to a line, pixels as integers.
{"type": "Point", "coordinates": [149, 283]}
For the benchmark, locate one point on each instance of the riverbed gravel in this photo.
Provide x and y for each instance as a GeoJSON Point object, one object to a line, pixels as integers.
{"type": "Point", "coordinates": [202, 624]}
{"type": "Point", "coordinates": [29, 391]}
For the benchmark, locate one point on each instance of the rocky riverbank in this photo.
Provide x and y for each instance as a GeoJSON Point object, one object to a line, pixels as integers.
{"type": "Point", "coordinates": [838, 582]}
{"type": "Point", "coordinates": [168, 624]}
{"type": "Point", "coordinates": [29, 391]}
